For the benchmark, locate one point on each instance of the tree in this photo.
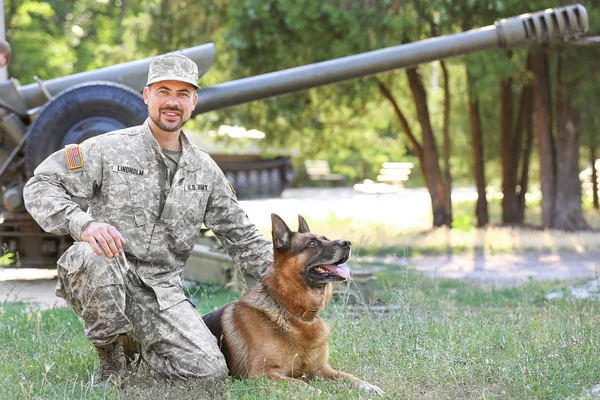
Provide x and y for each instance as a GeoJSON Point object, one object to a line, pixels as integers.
{"type": "Point", "coordinates": [39, 46]}
{"type": "Point", "coordinates": [277, 34]}
{"type": "Point", "coordinates": [481, 207]}
{"type": "Point", "coordinates": [60, 37]}
{"type": "Point", "coordinates": [587, 102]}
{"type": "Point", "coordinates": [558, 146]}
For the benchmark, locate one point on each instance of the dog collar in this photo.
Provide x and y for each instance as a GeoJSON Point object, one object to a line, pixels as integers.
{"type": "Point", "coordinates": [306, 316]}
{"type": "Point", "coordinates": [309, 315]}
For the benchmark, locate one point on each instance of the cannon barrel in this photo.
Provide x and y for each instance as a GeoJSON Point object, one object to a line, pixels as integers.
{"type": "Point", "coordinates": [564, 23]}
{"type": "Point", "coordinates": [133, 74]}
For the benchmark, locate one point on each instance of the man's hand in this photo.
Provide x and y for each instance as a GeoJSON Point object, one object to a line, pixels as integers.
{"type": "Point", "coordinates": [103, 237]}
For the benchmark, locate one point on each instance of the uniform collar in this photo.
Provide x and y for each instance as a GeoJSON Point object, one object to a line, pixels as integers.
{"type": "Point", "coordinates": [188, 159]}
{"type": "Point", "coordinates": [188, 154]}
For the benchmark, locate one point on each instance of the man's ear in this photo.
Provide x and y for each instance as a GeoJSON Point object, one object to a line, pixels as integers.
{"type": "Point", "coordinates": [282, 235]}
{"type": "Point", "coordinates": [195, 100]}
{"type": "Point", "coordinates": [302, 225]}
{"type": "Point", "coordinates": [146, 93]}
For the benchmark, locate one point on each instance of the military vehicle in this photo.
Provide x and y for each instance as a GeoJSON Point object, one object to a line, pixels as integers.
{"type": "Point", "coordinates": [40, 118]}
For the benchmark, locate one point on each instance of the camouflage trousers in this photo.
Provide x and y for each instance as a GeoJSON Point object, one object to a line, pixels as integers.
{"type": "Point", "coordinates": [113, 301]}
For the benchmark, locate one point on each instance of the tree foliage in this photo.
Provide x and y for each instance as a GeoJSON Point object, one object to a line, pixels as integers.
{"type": "Point", "coordinates": [265, 36]}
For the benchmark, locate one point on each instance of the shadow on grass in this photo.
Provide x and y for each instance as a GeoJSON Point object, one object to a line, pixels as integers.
{"type": "Point", "coordinates": [139, 386]}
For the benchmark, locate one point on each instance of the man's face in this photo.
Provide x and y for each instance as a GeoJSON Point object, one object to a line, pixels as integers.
{"type": "Point", "coordinates": [170, 104]}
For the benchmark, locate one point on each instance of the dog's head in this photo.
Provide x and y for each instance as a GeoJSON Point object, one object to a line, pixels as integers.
{"type": "Point", "coordinates": [316, 258]}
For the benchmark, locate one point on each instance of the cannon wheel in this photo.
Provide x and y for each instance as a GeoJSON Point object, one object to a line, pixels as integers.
{"type": "Point", "coordinates": [79, 113]}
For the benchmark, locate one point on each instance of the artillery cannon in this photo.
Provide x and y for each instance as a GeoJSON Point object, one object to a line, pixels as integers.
{"type": "Point", "coordinates": [40, 118]}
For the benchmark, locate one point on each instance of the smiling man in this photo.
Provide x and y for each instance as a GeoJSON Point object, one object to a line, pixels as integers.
{"type": "Point", "coordinates": [149, 191]}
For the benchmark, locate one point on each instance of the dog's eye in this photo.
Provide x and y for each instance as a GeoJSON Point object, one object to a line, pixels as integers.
{"type": "Point", "coordinates": [312, 243]}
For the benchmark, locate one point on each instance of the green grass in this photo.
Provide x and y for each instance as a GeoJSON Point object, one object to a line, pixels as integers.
{"type": "Point", "coordinates": [425, 338]}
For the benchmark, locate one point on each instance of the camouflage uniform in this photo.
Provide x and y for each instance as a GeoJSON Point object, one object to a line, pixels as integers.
{"type": "Point", "coordinates": [125, 180]}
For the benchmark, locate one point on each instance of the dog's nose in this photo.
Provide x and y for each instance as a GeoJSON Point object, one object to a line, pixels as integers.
{"type": "Point", "coordinates": [345, 243]}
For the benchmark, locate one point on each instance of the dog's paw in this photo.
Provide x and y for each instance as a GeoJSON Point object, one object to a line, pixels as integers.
{"type": "Point", "coordinates": [367, 387]}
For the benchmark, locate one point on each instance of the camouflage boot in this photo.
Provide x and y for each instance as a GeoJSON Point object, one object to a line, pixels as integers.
{"type": "Point", "coordinates": [113, 365]}
{"type": "Point", "coordinates": [132, 350]}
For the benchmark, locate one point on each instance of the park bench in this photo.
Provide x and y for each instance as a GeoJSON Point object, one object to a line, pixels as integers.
{"type": "Point", "coordinates": [395, 173]}
{"type": "Point", "coordinates": [319, 171]}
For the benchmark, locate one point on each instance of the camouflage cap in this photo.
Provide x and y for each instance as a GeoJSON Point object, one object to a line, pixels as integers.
{"type": "Point", "coordinates": [173, 67]}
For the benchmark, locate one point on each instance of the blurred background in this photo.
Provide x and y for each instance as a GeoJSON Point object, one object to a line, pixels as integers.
{"type": "Point", "coordinates": [419, 159]}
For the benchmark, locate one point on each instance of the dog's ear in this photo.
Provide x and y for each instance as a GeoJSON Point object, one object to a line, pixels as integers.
{"type": "Point", "coordinates": [302, 225]}
{"type": "Point", "coordinates": [282, 235]}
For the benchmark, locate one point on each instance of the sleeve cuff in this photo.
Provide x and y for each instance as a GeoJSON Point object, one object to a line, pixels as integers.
{"type": "Point", "coordinates": [78, 223]}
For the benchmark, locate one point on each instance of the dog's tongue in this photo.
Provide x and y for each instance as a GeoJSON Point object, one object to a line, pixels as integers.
{"type": "Point", "coordinates": [341, 270]}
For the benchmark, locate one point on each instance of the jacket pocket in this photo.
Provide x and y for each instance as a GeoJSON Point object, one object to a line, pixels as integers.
{"type": "Point", "coordinates": [128, 200]}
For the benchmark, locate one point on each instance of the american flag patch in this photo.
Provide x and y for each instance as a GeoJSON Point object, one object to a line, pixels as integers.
{"type": "Point", "coordinates": [74, 157]}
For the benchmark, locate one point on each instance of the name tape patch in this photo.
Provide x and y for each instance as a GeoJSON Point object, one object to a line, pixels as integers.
{"type": "Point", "coordinates": [196, 186]}
{"type": "Point", "coordinates": [74, 157]}
{"type": "Point", "coordinates": [128, 170]}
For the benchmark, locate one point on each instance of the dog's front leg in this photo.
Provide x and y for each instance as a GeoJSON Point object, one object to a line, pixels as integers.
{"type": "Point", "coordinates": [277, 375]}
{"type": "Point", "coordinates": [330, 373]}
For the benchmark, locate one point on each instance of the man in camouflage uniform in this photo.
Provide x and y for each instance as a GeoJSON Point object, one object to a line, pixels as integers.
{"type": "Point", "coordinates": [149, 192]}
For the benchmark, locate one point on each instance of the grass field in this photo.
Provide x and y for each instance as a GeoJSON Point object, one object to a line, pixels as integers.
{"type": "Point", "coordinates": [425, 338]}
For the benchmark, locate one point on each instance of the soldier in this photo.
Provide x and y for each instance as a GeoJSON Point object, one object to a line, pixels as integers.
{"type": "Point", "coordinates": [149, 192]}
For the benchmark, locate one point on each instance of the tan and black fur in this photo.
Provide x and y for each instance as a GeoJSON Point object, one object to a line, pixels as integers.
{"type": "Point", "coordinates": [274, 329]}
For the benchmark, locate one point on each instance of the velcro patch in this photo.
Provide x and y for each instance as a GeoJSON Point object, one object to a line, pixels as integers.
{"type": "Point", "coordinates": [74, 157]}
{"type": "Point", "coordinates": [196, 186]}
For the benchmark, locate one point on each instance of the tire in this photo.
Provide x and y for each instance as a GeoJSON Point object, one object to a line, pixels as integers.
{"type": "Point", "coordinates": [79, 113]}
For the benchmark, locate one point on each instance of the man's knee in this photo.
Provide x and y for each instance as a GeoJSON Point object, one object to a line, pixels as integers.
{"type": "Point", "coordinates": [82, 265]}
{"type": "Point", "coordinates": [208, 365]}
{"type": "Point", "coordinates": [94, 288]}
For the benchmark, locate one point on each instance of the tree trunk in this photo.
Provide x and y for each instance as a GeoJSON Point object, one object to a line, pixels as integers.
{"type": "Point", "coordinates": [568, 209]}
{"type": "Point", "coordinates": [430, 159]}
{"type": "Point", "coordinates": [481, 209]}
{"type": "Point", "coordinates": [527, 113]}
{"type": "Point", "coordinates": [543, 132]}
{"type": "Point", "coordinates": [385, 91]}
{"type": "Point", "coordinates": [122, 15]}
{"type": "Point", "coordinates": [508, 139]}
{"type": "Point", "coordinates": [594, 177]}
{"type": "Point", "coordinates": [446, 135]}
{"type": "Point", "coordinates": [123, 11]}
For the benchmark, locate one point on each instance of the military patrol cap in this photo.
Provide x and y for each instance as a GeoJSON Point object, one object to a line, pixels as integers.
{"type": "Point", "coordinates": [173, 67]}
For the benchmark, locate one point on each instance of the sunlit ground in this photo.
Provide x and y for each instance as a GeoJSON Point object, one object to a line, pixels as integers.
{"type": "Point", "coordinates": [29, 274]}
{"type": "Point", "coordinates": [384, 223]}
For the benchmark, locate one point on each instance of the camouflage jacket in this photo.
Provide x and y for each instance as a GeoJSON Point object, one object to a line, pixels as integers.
{"type": "Point", "coordinates": [123, 179]}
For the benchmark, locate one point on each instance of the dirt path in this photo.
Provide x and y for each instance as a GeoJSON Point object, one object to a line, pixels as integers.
{"type": "Point", "coordinates": [504, 268]}
{"type": "Point", "coordinates": [37, 286]}
{"type": "Point", "coordinates": [29, 285]}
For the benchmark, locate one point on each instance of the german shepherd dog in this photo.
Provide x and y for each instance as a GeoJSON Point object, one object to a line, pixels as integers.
{"type": "Point", "coordinates": [274, 329]}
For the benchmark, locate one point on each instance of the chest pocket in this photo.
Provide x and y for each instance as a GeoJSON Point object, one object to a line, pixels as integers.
{"type": "Point", "coordinates": [129, 198]}
{"type": "Point", "coordinates": [186, 224]}
{"type": "Point", "coordinates": [194, 213]}
{"type": "Point", "coordinates": [139, 204]}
